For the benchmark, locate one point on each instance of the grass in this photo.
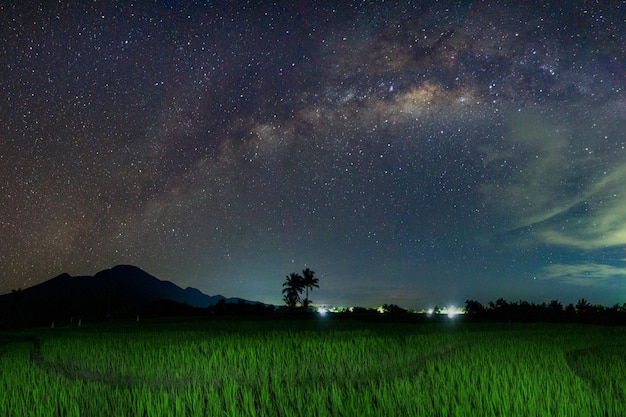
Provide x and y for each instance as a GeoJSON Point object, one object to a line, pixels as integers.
{"type": "Point", "coordinates": [313, 368]}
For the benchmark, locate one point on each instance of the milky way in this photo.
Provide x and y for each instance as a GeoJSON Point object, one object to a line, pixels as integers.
{"type": "Point", "coordinates": [415, 154]}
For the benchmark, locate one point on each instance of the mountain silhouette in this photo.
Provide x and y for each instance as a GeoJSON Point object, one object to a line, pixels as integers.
{"type": "Point", "coordinates": [121, 290]}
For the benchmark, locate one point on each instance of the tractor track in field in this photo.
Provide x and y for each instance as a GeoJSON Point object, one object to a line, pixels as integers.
{"type": "Point", "coordinates": [406, 368]}
{"type": "Point", "coordinates": [414, 365]}
{"type": "Point", "coordinates": [574, 363]}
{"type": "Point", "coordinates": [74, 372]}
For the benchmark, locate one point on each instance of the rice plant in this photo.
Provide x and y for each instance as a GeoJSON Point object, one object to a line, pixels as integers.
{"type": "Point", "coordinates": [313, 368]}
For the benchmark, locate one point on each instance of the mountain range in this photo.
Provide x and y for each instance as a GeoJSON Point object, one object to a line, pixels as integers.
{"type": "Point", "coordinates": [123, 289]}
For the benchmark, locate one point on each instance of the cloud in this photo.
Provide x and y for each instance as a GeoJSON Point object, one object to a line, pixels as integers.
{"type": "Point", "coordinates": [584, 275]}
{"type": "Point", "coordinates": [533, 171]}
{"type": "Point", "coordinates": [565, 184]}
{"type": "Point", "coordinates": [603, 221]}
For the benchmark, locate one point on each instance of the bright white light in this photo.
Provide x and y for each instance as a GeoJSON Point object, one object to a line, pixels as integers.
{"type": "Point", "coordinates": [322, 311]}
{"type": "Point", "coordinates": [430, 311]}
{"type": "Point", "coordinates": [452, 312]}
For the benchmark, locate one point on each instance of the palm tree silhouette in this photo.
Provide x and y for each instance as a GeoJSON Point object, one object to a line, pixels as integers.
{"type": "Point", "coordinates": [308, 282]}
{"type": "Point", "coordinates": [293, 289]}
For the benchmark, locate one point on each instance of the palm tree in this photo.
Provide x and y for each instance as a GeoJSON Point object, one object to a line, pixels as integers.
{"type": "Point", "coordinates": [293, 289]}
{"type": "Point", "coordinates": [308, 282]}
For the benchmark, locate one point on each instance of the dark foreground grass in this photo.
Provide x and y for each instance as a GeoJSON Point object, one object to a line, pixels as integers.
{"type": "Point", "coordinates": [319, 367]}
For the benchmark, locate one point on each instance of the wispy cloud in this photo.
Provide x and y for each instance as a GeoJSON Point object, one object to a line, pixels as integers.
{"type": "Point", "coordinates": [536, 179]}
{"type": "Point", "coordinates": [558, 186]}
{"type": "Point", "coordinates": [584, 275]}
{"type": "Point", "coordinates": [604, 222]}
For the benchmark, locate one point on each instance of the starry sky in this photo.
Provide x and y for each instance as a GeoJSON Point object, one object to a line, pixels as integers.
{"type": "Point", "coordinates": [409, 152]}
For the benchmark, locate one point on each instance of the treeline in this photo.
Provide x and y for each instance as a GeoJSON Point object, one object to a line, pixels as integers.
{"type": "Point", "coordinates": [554, 311]}
{"type": "Point", "coordinates": [15, 315]}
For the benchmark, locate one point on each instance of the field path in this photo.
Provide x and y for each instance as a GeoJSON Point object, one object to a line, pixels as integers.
{"type": "Point", "coordinates": [608, 359]}
{"type": "Point", "coordinates": [74, 372]}
{"type": "Point", "coordinates": [408, 368]}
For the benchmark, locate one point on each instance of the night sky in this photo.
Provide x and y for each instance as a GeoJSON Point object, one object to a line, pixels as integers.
{"type": "Point", "coordinates": [414, 153]}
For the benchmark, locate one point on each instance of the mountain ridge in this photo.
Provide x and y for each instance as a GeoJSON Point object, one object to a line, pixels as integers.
{"type": "Point", "coordinates": [120, 290]}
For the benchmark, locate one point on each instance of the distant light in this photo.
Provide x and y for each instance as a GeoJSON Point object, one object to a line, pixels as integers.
{"type": "Point", "coordinates": [322, 311]}
{"type": "Point", "coordinates": [452, 311]}
{"type": "Point", "coordinates": [430, 311]}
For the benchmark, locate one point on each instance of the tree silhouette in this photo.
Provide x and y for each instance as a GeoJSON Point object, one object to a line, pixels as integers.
{"type": "Point", "coordinates": [295, 284]}
{"type": "Point", "coordinates": [308, 282]}
{"type": "Point", "coordinates": [293, 289]}
{"type": "Point", "coordinates": [523, 311]}
{"type": "Point", "coordinates": [555, 306]}
{"type": "Point", "coordinates": [582, 306]}
{"type": "Point", "coordinates": [394, 309]}
{"type": "Point", "coordinates": [473, 307]}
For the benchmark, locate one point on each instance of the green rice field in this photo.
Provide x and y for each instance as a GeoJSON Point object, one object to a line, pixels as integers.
{"type": "Point", "coordinates": [318, 367]}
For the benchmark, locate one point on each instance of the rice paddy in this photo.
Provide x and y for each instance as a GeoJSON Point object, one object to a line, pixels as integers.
{"type": "Point", "coordinates": [319, 367]}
